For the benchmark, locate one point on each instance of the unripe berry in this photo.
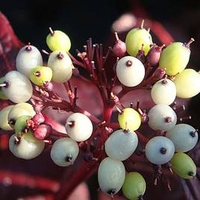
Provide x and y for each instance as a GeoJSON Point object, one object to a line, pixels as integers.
{"type": "Point", "coordinates": [175, 57]}
{"type": "Point", "coordinates": [42, 131]}
{"type": "Point", "coordinates": [58, 40]}
{"type": "Point", "coordinates": [136, 38]}
{"type": "Point", "coordinates": [40, 75]}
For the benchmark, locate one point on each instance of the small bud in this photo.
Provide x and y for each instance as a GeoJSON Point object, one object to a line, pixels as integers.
{"type": "Point", "coordinates": [38, 118]}
{"type": "Point", "coordinates": [153, 55]}
{"type": "Point", "coordinates": [42, 131]}
{"type": "Point", "coordinates": [119, 49]}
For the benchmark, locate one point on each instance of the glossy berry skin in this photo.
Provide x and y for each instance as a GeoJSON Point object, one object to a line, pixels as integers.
{"type": "Point", "coordinates": [111, 175]}
{"type": "Point", "coordinates": [64, 152]}
{"type": "Point", "coordinates": [27, 58]}
{"type": "Point", "coordinates": [19, 110]}
{"type": "Point", "coordinates": [130, 71]}
{"type": "Point", "coordinates": [163, 92]}
{"type": "Point", "coordinates": [184, 137]}
{"type": "Point", "coordinates": [61, 65]}
{"type": "Point", "coordinates": [129, 119]}
{"type": "Point", "coordinates": [159, 150]}
{"type": "Point", "coordinates": [58, 40]}
{"type": "Point", "coordinates": [187, 83]}
{"type": "Point", "coordinates": [183, 165]}
{"type": "Point", "coordinates": [16, 82]}
{"type": "Point", "coordinates": [121, 144]}
{"type": "Point", "coordinates": [137, 39]}
{"type": "Point", "coordinates": [21, 124]}
{"type": "Point", "coordinates": [4, 125]}
{"type": "Point", "coordinates": [26, 146]}
{"type": "Point", "coordinates": [174, 58]}
{"type": "Point", "coordinates": [79, 127]}
{"type": "Point", "coordinates": [40, 75]}
{"type": "Point", "coordinates": [161, 117]}
{"type": "Point", "coordinates": [134, 186]}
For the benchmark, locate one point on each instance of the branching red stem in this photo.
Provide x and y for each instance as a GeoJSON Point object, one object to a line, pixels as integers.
{"type": "Point", "coordinates": [85, 170]}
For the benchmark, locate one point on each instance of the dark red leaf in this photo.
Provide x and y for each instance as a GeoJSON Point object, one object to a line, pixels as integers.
{"type": "Point", "coordinates": [9, 45]}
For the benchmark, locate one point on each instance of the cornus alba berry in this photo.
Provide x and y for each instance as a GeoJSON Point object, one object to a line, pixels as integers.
{"type": "Point", "coordinates": [125, 130]}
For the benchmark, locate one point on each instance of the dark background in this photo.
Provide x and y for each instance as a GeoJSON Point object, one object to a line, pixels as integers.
{"type": "Point", "coordinates": [79, 19]}
{"type": "Point", "coordinates": [83, 19]}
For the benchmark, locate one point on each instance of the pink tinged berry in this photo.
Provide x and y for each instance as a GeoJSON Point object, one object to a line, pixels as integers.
{"type": "Point", "coordinates": [38, 118]}
{"type": "Point", "coordinates": [119, 49]}
{"type": "Point", "coordinates": [153, 55]}
{"type": "Point", "coordinates": [42, 131]}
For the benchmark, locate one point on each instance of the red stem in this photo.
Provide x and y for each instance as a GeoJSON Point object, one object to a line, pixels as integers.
{"type": "Point", "coordinates": [23, 179]}
{"type": "Point", "coordinates": [108, 109]}
{"type": "Point", "coordinates": [55, 125]}
{"type": "Point", "coordinates": [81, 172]}
{"type": "Point", "coordinates": [44, 196]}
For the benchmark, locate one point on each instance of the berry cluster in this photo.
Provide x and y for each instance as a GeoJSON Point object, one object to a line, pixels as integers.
{"type": "Point", "coordinates": [116, 135]}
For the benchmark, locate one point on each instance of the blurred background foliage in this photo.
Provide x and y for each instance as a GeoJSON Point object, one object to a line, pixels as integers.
{"type": "Point", "coordinates": [84, 19]}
